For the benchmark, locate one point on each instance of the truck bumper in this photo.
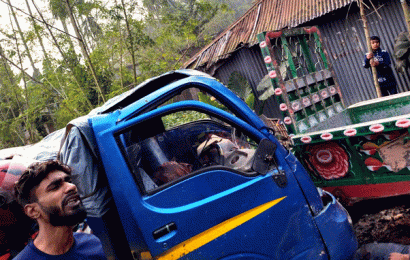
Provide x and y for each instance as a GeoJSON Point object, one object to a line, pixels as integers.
{"type": "Point", "coordinates": [335, 225]}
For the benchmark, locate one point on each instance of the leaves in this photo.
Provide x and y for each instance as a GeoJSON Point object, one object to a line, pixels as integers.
{"type": "Point", "coordinates": [401, 52]}
{"type": "Point", "coordinates": [240, 85]}
{"type": "Point", "coordinates": [211, 101]}
{"type": "Point", "coordinates": [160, 35]}
{"type": "Point", "coordinates": [265, 86]}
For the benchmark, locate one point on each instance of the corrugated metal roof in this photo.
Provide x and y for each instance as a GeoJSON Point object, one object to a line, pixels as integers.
{"type": "Point", "coordinates": [265, 15]}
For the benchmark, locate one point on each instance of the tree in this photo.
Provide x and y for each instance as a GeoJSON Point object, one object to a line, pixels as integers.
{"type": "Point", "coordinates": [37, 31]}
{"type": "Point", "coordinates": [11, 131]}
{"type": "Point", "coordinates": [83, 48]}
{"type": "Point", "coordinates": [100, 52]}
{"type": "Point", "coordinates": [241, 87]}
{"type": "Point", "coordinates": [23, 39]}
{"type": "Point", "coordinates": [175, 27]}
{"type": "Point", "coordinates": [59, 11]}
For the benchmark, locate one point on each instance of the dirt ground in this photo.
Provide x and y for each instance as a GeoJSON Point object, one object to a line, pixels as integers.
{"type": "Point", "coordinates": [382, 220]}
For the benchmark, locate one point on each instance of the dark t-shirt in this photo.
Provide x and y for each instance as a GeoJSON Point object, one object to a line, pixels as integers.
{"type": "Point", "coordinates": [86, 246]}
{"type": "Point", "coordinates": [384, 71]}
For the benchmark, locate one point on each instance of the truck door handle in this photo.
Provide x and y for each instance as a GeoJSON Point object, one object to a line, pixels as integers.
{"type": "Point", "coordinates": [162, 231]}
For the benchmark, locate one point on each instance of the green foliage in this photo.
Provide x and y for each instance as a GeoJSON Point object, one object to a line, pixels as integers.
{"type": "Point", "coordinates": [401, 52]}
{"type": "Point", "coordinates": [57, 8]}
{"type": "Point", "coordinates": [211, 101]}
{"type": "Point", "coordinates": [265, 86]}
{"type": "Point", "coordinates": [250, 101]}
{"type": "Point", "coordinates": [183, 117]}
{"type": "Point", "coordinates": [240, 86]}
{"type": "Point", "coordinates": [160, 33]}
{"type": "Point", "coordinates": [11, 131]}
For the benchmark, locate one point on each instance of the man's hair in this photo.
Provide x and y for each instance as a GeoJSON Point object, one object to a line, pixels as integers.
{"type": "Point", "coordinates": [33, 176]}
{"type": "Point", "coordinates": [375, 38]}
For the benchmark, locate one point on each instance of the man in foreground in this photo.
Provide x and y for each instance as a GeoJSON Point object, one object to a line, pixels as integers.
{"type": "Point", "coordinates": [47, 195]}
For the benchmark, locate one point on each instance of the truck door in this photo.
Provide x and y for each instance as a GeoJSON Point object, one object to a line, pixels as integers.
{"type": "Point", "coordinates": [185, 181]}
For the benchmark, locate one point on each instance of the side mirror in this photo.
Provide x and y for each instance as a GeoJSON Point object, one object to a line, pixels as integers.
{"type": "Point", "coordinates": [264, 156]}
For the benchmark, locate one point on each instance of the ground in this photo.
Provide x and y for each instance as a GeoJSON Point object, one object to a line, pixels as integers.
{"type": "Point", "coordinates": [382, 220]}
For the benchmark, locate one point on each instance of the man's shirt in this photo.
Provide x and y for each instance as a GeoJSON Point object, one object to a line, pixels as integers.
{"type": "Point", "coordinates": [86, 246]}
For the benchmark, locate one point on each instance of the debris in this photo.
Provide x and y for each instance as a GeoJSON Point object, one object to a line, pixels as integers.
{"type": "Point", "coordinates": [390, 223]}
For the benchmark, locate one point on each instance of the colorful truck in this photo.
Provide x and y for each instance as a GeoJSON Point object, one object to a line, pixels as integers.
{"type": "Point", "coordinates": [164, 177]}
{"type": "Point", "coordinates": [356, 153]}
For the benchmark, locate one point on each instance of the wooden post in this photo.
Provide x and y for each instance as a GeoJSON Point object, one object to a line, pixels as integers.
{"type": "Point", "coordinates": [369, 46]}
{"type": "Point", "coordinates": [406, 12]}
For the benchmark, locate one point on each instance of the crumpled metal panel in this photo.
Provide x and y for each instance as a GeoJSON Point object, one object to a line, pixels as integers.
{"type": "Point", "coordinates": [265, 15]}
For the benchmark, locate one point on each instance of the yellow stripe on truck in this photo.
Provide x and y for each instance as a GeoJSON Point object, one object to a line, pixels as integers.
{"type": "Point", "coordinates": [213, 233]}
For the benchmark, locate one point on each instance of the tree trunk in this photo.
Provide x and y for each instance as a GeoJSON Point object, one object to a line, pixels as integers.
{"type": "Point", "coordinates": [121, 50]}
{"type": "Point", "coordinates": [63, 55]}
{"type": "Point", "coordinates": [22, 70]}
{"type": "Point", "coordinates": [7, 97]}
{"type": "Point", "coordinates": [369, 46]}
{"type": "Point", "coordinates": [33, 22]}
{"type": "Point", "coordinates": [131, 42]}
{"type": "Point", "coordinates": [82, 31]}
{"type": "Point", "coordinates": [10, 78]}
{"type": "Point", "coordinates": [83, 48]}
{"type": "Point", "coordinates": [35, 70]}
{"type": "Point", "coordinates": [27, 123]}
{"type": "Point", "coordinates": [65, 27]}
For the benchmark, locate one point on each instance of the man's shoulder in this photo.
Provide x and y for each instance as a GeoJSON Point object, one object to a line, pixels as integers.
{"type": "Point", "coordinates": [86, 240]}
{"type": "Point", "coordinates": [88, 245]}
{"type": "Point", "coordinates": [29, 252]}
{"type": "Point", "coordinates": [81, 236]}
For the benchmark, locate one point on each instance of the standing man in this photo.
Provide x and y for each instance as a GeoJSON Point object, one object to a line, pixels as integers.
{"type": "Point", "coordinates": [47, 195]}
{"type": "Point", "coordinates": [381, 60]}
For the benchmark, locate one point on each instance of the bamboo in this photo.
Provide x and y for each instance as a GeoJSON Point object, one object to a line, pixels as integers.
{"type": "Point", "coordinates": [121, 52]}
{"type": "Point", "coordinates": [84, 48]}
{"type": "Point", "coordinates": [23, 39]}
{"type": "Point", "coordinates": [33, 22]}
{"type": "Point", "coordinates": [62, 53]}
{"type": "Point", "coordinates": [406, 12]}
{"type": "Point", "coordinates": [26, 119]}
{"type": "Point", "coordinates": [10, 78]}
{"type": "Point", "coordinates": [22, 70]}
{"type": "Point", "coordinates": [131, 42]}
{"type": "Point", "coordinates": [369, 46]}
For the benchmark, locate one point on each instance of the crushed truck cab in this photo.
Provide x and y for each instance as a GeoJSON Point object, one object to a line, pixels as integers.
{"type": "Point", "coordinates": [181, 168]}
{"type": "Point", "coordinates": [192, 180]}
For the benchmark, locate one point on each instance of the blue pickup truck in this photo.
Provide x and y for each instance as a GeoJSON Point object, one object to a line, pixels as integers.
{"type": "Point", "coordinates": [165, 176]}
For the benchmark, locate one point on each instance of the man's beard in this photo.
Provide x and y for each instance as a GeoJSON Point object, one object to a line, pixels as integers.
{"type": "Point", "coordinates": [58, 218]}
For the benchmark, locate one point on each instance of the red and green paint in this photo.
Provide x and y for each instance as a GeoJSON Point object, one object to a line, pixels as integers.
{"type": "Point", "coordinates": [358, 152]}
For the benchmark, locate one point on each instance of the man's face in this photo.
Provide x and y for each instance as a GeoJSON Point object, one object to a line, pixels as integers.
{"type": "Point", "coordinates": [59, 200]}
{"type": "Point", "coordinates": [375, 44]}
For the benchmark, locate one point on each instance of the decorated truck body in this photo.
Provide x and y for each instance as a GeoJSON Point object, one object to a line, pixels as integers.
{"type": "Point", "coordinates": [356, 153]}
{"type": "Point", "coordinates": [165, 177]}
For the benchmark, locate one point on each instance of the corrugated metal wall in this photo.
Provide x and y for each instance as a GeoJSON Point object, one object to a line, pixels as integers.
{"type": "Point", "coordinates": [264, 15]}
{"type": "Point", "coordinates": [343, 35]}
{"type": "Point", "coordinates": [346, 45]}
{"type": "Point", "coordinates": [249, 62]}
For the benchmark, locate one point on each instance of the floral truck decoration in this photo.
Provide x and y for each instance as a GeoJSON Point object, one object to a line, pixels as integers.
{"type": "Point", "coordinates": [356, 152]}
